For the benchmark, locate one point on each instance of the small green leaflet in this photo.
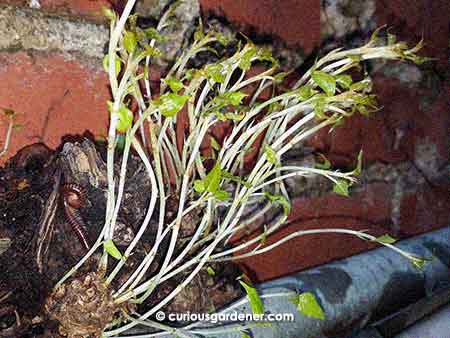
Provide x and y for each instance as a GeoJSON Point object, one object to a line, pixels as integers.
{"type": "Point", "coordinates": [170, 104]}
{"type": "Point", "coordinates": [418, 262]}
{"type": "Point", "coordinates": [211, 183]}
{"type": "Point", "coordinates": [305, 92]}
{"type": "Point", "coordinates": [210, 271]}
{"type": "Point", "coordinates": [325, 165]}
{"type": "Point", "coordinates": [325, 81]}
{"type": "Point", "coordinates": [111, 249]}
{"type": "Point", "coordinates": [222, 195]}
{"type": "Point", "coordinates": [174, 84]}
{"type": "Point", "coordinates": [319, 108]}
{"type": "Point", "coordinates": [271, 154]}
{"type": "Point", "coordinates": [150, 51]}
{"type": "Point", "coordinates": [198, 34]}
{"type": "Point", "coordinates": [385, 239]}
{"type": "Point", "coordinates": [256, 304]}
{"type": "Point", "coordinates": [214, 72]}
{"type": "Point", "coordinates": [230, 98]}
{"type": "Point", "coordinates": [279, 77]}
{"type": "Point", "coordinates": [280, 200]}
{"type": "Point", "coordinates": [222, 39]}
{"type": "Point", "coordinates": [125, 117]}
{"type": "Point", "coordinates": [152, 33]}
{"type": "Point", "coordinates": [107, 12]}
{"type": "Point", "coordinates": [106, 64]}
{"type": "Point", "coordinates": [129, 41]}
{"type": "Point", "coordinates": [307, 305]}
{"type": "Point", "coordinates": [341, 187]}
{"type": "Point", "coordinates": [344, 81]}
{"type": "Point", "coordinates": [245, 335]}
{"type": "Point", "coordinates": [245, 61]}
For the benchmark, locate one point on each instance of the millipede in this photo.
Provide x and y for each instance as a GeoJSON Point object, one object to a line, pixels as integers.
{"type": "Point", "coordinates": [73, 197]}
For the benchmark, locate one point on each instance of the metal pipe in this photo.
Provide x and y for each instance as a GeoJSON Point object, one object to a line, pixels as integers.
{"type": "Point", "coordinates": [436, 325]}
{"type": "Point", "coordinates": [355, 291]}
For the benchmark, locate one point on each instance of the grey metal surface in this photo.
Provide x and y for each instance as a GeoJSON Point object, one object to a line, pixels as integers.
{"type": "Point", "coordinates": [434, 326]}
{"type": "Point", "coordinates": [356, 290]}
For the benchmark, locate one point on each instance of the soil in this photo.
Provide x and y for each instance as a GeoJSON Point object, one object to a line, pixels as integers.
{"type": "Point", "coordinates": [38, 186]}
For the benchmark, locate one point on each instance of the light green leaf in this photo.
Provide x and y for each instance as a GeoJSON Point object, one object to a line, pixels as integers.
{"type": "Point", "coordinates": [256, 304]}
{"type": "Point", "coordinates": [199, 186]}
{"type": "Point", "coordinates": [325, 165]}
{"type": "Point", "coordinates": [341, 187]}
{"type": "Point", "coordinates": [344, 80]}
{"type": "Point", "coordinates": [152, 33]}
{"type": "Point", "coordinates": [222, 39]}
{"type": "Point", "coordinates": [245, 61]}
{"type": "Point", "coordinates": [210, 271]}
{"type": "Point", "coordinates": [271, 154]}
{"type": "Point", "coordinates": [170, 104]}
{"type": "Point", "coordinates": [214, 72]}
{"type": "Point", "coordinates": [234, 116]}
{"type": "Point", "coordinates": [325, 81]}
{"type": "Point", "coordinates": [109, 13]}
{"type": "Point", "coordinates": [199, 35]}
{"type": "Point", "coordinates": [280, 200]}
{"type": "Point", "coordinates": [150, 51]}
{"type": "Point", "coordinates": [245, 335]}
{"type": "Point", "coordinates": [129, 41]}
{"type": "Point", "coordinates": [319, 108]}
{"type": "Point", "coordinates": [265, 54]}
{"type": "Point", "coordinates": [230, 98]}
{"type": "Point", "coordinates": [174, 84]}
{"type": "Point", "coordinates": [117, 62]}
{"type": "Point", "coordinates": [355, 58]}
{"type": "Point", "coordinates": [385, 239]}
{"type": "Point", "coordinates": [307, 305]}
{"type": "Point", "coordinates": [418, 262]}
{"type": "Point", "coordinates": [305, 92]}
{"type": "Point", "coordinates": [211, 182]}
{"type": "Point", "coordinates": [111, 249]}
{"type": "Point", "coordinates": [222, 195]}
{"type": "Point", "coordinates": [125, 119]}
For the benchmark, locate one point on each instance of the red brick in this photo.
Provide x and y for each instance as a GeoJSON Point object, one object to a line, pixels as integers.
{"type": "Point", "coordinates": [297, 22]}
{"type": "Point", "coordinates": [53, 97]}
{"type": "Point", "coordinates": [413, 20]}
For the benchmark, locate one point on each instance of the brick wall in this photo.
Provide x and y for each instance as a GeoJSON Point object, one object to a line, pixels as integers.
{"type": "Point", "coordinates": [51, 75]}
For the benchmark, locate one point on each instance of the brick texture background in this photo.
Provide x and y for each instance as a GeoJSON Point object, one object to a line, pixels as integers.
{"type": "Point", "coordinates": [56, 94]}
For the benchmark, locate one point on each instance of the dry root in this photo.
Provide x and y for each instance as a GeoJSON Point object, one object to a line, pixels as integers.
{"type": "Point", "coordinates": [83, 307]}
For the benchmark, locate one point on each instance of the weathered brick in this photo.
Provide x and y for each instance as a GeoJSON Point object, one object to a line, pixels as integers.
{"type": "Point", "coordinates": [295, 22]}
{"type": "Point", "coordinates": [91, 9]}
{"type": "Point", "coordinates": [53, 96]}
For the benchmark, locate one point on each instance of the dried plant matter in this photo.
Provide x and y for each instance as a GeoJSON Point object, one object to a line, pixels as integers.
{"type": "Point", "coordinates": [83, 307]}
